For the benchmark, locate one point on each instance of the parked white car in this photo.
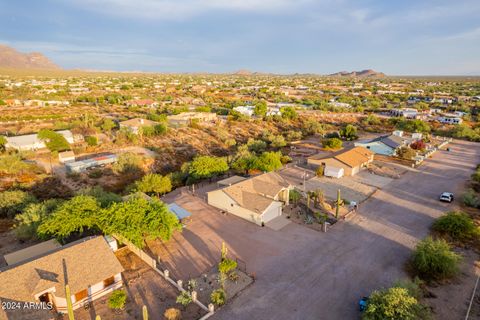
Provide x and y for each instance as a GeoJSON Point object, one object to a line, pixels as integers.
{"type": "Point", "coordinates": [446, 197]}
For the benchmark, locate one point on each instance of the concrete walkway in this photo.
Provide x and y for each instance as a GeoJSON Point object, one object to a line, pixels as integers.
{"type": "Point", "coordinates": [278, 223]}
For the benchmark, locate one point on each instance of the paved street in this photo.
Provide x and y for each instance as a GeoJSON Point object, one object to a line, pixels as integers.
{"type": "Point", "coordinates": [322, 276]}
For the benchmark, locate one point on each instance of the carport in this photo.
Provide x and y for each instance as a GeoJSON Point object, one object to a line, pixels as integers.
{"type": "Point", "coordinates": [229, 181]}
{"type": "Point", "coordinates": [180, 212]}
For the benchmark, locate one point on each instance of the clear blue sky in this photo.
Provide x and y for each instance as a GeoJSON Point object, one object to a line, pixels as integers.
{"type": "Point", "coordinates": [440, 37]}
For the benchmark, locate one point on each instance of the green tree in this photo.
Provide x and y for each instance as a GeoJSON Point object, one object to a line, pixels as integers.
{"type": "Point", "coordinates": [108, 125]}
{"type": "Point", "coordinates": [3, 142]}
{"type": "Point", "coordinates": [288, 113]}
{"type": "Point", "coordinates": [203, 167]}
{"type": "Point", "coordinates": [27, 222]}
{"type": "Point", "coordinates": [349, 132]}
{"type": "Point", "coordinates": [138, 220]}
{"type": "Point", "coordinates": [104, 198]}
{"type": "Point", "coordinates": [260, 109]}
{"type": "Point", "coordinates": [13, 202]}
{"type": "Point", "coordinates": [416, 125]}
{"type": "Point", "coordinates": [268, 161]}
{"type": "Point", "coordinates": [243, 160]}
{"type": "Point", "coordinates": [154, 183]}
{"type": "Point", "coordinates": [433, 259]}
{"type": "Point", "coordinates": [332, 143]}
{"type": "Point", "coordinates": [53, 140]}
{"type": "Point", "coordinates": [256, 146]}
{"type": "Point", "coordinates": [75, 215]}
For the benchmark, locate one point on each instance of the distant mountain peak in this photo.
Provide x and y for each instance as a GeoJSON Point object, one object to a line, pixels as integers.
{"type": "Point", "coordinates": [243, 72]}
{"type": "Point", "coordinates": [368, 73]}
{"type": "Point", "coordinates": [11, 58]}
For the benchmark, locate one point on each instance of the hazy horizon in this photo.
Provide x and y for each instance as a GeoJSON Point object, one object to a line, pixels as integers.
{"type": "Point", "coordinates": [432, 38]}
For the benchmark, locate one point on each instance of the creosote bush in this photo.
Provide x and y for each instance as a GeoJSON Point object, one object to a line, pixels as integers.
{"type": "Point", "coordinates": [457, 225]}
{"type": "Point", "coordinates": [117, 300]}
{"type": "Point", "coordinates": [435, 260]}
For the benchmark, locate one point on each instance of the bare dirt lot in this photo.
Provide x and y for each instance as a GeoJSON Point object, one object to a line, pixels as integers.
{"type": "Point", "coordinates": [144, 287]}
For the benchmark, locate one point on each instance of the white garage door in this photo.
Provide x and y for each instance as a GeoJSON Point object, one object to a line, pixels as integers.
{"type": "Point", "coordinates": [275, 210]}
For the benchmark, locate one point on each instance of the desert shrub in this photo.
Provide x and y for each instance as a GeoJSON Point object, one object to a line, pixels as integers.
{"type": "Point", "coordinates": [320, 171]}
{"type": "Point", "coordinates": [227, 265]}
{"type": "Point", "coordinates": [103, 197]}
{"type": "Point", "coordinates": [332, 143]}
{"type": "Point", "coordinates": [127, 162]}
{"type": "Point", "coordinates": [13, 202]}
{"type": "Point", "coordinates": [372, 120]}
{"type": "Point", "coordinates": [172, 314]}
{"type": "Point", "coordinates": [95, 173]}
{"type": "Point", "coordinates": [117, 300]}
{"type": "Point", "coordinates": [434, 259]}
{"type": "Point", "coordinates": [418, 145]}
{"type": "Point", "coordinates": [184, 298]}
{"type": "Point", "coordinates": [91, 141]}
{"type": "Point", "coordinates": [349, 132]}
{"type": "Point", "coordinates": [471, 199]}
{"type": "Point", "coordinates": [256, 146]}
{"type": "Point", "coordinates": [14, 164]}
{"type": "Point", "coordinates": [406, 153]}
{"type": "Point", "coordinates": [457, 225]}
{"type": "Point", "coordinates": [206, 167]}
{"type": "Point", "coordinates": [218, 297]}
{"type": "Point", "coordinates": [395, 303]}
{"type": "Point", "coordinates": [293, 135]}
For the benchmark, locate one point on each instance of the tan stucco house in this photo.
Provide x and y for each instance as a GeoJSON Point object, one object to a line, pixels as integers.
{"type": "Point", "coordinates": [89, 266]}
{"type": "Point", "coordinates": [351, 161]}
{"type": "Point", "coordinates": [258, 199]}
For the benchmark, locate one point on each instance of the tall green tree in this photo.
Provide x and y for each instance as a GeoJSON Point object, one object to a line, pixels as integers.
{"type": "Point", "coordinates": [260, 109]}
{"type": "Point", "coordinates": [139, 219]}
{"type": "Point", "coordinates": [154, 183]}
{"type": "Point", "coordinates": [206, 167]}
{"type": "Point", "coordinates": [76, 215]}
{"type": "Point", "coordinates": [268, 161]}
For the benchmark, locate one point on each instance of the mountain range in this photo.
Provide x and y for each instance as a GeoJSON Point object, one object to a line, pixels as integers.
{"type": "Point", "coordinates": [369, 73]}
{"type": "Point", "coordinates": [11, 58]}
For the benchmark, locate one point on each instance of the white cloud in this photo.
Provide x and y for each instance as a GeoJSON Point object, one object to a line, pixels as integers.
{"type": "Point", "coordinates": [181, 9]}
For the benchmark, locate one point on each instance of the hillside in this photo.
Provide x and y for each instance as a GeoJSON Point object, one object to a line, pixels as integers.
{"type": "Point", "coordinates": [11, 58]}
{"type": "Point", "coordinates": [361, 74]}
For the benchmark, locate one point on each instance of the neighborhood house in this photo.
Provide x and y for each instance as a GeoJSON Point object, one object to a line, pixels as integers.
{"type": "Point", "coordinates": [88, 266]}
{"type": "Point", "coordinates": [134, 125]}
{"type": "Point", "coordinates": [258, 199]}
{"type": "Point", "coordinates": [32, 142]}
{"type": "Point", "coordinates": [344, 162]}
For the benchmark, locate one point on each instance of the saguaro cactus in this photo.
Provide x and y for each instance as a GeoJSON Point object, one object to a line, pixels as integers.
{"type": "Point", "coordinates": [145, 313]}
{"type": "Point", "coordinates": [68, 296]}
{"type": "Point", "coordinates": [338, 204]}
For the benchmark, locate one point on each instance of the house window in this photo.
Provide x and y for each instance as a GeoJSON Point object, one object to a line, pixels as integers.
{"type": "Point", "coordinates": [108, 282]}
{"type": "Point", "coordinates": [81, 295]}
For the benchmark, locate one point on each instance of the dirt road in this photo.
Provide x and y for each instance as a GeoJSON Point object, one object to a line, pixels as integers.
{"type": "Point", "coordinates": [322, 276]}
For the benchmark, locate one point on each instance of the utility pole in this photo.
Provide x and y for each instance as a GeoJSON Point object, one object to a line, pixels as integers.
{"type": "Point", "coordinates": [338, 204]}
